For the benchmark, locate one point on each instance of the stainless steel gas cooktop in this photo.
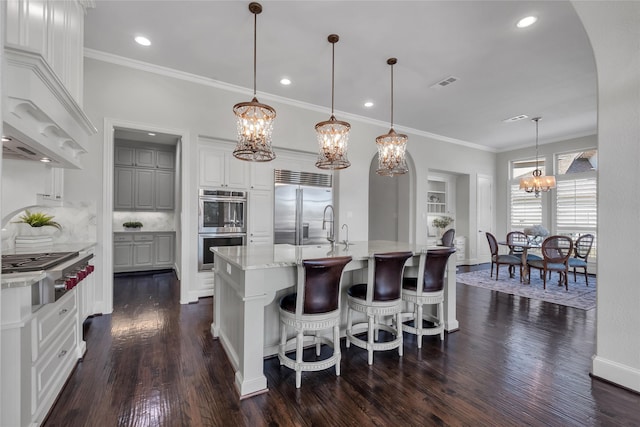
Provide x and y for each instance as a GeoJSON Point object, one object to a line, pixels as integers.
{"type": "Point", "coordinates": [17, 263]}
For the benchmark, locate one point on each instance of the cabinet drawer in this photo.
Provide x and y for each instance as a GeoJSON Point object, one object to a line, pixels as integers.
{"type": "Point", "coordinates": [51, 320]}
{"type": "Point", "coordinates": [143, 237]}
{"type": "Point", "coordinates": [122, 238]}
{"type": "Point", "coordinates": [50, 372]}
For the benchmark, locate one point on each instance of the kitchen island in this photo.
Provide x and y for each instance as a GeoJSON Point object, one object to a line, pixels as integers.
{"type": "Point", "coordinates": [250, 280]}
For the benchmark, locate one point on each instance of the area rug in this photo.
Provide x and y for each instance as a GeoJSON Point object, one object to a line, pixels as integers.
{"type": "Point", "coordinates": [578, 295]}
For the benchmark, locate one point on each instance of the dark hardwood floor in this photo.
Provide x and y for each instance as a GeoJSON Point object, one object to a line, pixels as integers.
{"type": "Point", "coordinates": [514, 361]}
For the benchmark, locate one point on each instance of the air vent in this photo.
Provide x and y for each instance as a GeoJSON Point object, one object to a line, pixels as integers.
{"type": "Point", "coordinates": [445, 82]}
{"type": "Point", "coordinates": [302, 178]}
{"type": "Point", "coordinates": [516, 118]}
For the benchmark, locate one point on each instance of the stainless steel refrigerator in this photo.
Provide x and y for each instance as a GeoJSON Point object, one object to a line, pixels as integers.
{"type": "Point", "coordinates": [301, 200]}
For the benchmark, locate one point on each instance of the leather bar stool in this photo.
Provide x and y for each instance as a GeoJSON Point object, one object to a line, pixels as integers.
{"type": "Point", "coordinates": [427, 289]}
{"type": "Point", "coordinates": [315, 306]}
{"type": "Point", "coordinates": [379, 298]}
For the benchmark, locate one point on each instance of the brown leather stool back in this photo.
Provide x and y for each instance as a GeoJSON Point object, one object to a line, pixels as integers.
{"type": "Point", "coordinates": [435, 268]}
{"type": "Point", "coordinates": [388, 275]}
{"type": "Point", "coordinates": [322, 284]}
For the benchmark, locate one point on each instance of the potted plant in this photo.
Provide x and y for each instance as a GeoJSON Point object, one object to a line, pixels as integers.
{"type": "Point", "coordinates": [37, 224]}
{"type": "Point", "coordinates": [441, 223]}
{"type": "Point", "coordinates": [132, 225]}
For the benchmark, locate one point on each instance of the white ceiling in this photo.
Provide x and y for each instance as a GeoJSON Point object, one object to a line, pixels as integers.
{"type": "Point", "coordinates": [545, 70]}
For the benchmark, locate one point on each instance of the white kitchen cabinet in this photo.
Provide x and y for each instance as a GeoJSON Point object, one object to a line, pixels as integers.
{"type": "Point", "coordinates": [218, 168]}
{"type": "Point", "coordinates": [260, 210]}
{"type": "Point", "coordinates": [262, 176]}
{"type": "Point", "coordinates": [143, 250]}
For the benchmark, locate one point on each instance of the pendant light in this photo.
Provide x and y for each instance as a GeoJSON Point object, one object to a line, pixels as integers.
{"type": "Point", "coordinates": [332, 134]}
{"type": "Point", "coordinates": [392, 147]}
{"type": "Point", "coordinates": [254, 120]}
{"type": "Point", "coordinates": [537, 182]}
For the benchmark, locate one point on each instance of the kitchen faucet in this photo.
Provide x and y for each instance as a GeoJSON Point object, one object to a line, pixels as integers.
{"type": "Point", "coordinates": [346, 240]}
{"type": "Point", "coordinates": [330, 235]}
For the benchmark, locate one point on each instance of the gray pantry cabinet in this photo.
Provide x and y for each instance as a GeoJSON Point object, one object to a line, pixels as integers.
{"type": "Point", "coordinates": [144, 178]}
{"type": "Point", "coordinates": [142, 250]}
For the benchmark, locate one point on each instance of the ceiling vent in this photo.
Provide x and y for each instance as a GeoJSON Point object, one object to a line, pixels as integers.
{"type": "Point", "coordinates": [516, 118]}
{"type": "Point", "coordinates": [444, 82]}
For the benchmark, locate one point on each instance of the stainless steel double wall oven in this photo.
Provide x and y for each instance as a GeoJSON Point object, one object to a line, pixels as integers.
{"type": "Point", "coordinates": [222, 221]}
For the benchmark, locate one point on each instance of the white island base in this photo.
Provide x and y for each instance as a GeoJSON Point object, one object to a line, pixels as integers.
{"type": "Point", "coordinates": [250, 280]}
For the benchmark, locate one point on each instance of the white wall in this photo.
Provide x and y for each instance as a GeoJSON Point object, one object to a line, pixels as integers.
{"type": "Point", "coordinates": [613, 29]}
{"type": "Point", "coordinates": [21, 181]}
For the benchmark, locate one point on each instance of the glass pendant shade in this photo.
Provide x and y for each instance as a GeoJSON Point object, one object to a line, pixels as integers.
{"type": "Point", "coordinates": [537, 182]}
{"type": "Point", "coordinates": [333, 139]}
{"type": "Point", "coordinates": [332, 134]}
{"type": "Point", "coordinates": [392, 148]}
{"type": "Point", "coordinates": [254, 120]}
{"type": "Point", "coordinates": [255, 125]}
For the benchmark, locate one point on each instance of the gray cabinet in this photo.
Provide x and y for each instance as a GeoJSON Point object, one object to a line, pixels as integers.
{"type": "Point", "coordinates": [143, 179]}
{"type": "Point", "coordinates": [139, 251]}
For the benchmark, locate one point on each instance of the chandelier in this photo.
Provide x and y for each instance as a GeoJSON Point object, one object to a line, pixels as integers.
{"type": "Point", "coordinates": [392, 147]}
{"type": "Point", "coordinates": [254, 120]}
{"type": "Point", "coordinates": [332, 134]}
{"type": "Point", "coordinates": [537, 182]}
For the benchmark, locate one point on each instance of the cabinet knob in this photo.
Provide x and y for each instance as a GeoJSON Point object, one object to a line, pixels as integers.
{"type": "Point", "coordinates": [62, 353]}
{"type": "Point", "coordinates": [63, 311]}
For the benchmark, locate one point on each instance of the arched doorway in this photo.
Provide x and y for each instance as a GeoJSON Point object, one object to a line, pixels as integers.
{"type": "Point", "coordinates": [392, 204]}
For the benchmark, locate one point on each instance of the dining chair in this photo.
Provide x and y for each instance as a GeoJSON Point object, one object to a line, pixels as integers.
{"type": "Point", "coordinates": [581, 249]}
{"type": "Point", "coordinates": [513, 239]}
{"type": "Point", "coordinates": [379, 298]}
{"type": "Point", "coordinates": [427, 289]}
{"type": "Point", "coordinates": [556, 251]}
{"type": "Point", "coordinates": [448, 236]}
{"type": "Point", "coordinates": [315, 306]}
{"type": "Point", "coordinates": [497, 259]}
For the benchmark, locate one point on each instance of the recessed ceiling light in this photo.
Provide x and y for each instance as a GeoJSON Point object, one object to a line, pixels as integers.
{"type": "Point", "coordinates": [6, 139]}
{"type": "Point", "coordinates": [45, 160]}
{"type": "Point", "coordinates": [285, 81]}
{"type": "Point", "coordinates": [141, 40]}
{"type": "Point", "coordinates": [151, 134]}
{"type": "Point", "coordinates": [527, 21]}
{"type": "Point", "coordinates": [368, 104]}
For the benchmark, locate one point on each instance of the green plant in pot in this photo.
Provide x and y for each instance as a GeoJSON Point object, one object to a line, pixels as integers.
{"type": "Point", "coordinates": [38, 219]}
{"type": "Point", "coordinates": [132, 224]}
{"type": "Point", "coordinates": [442, 222]}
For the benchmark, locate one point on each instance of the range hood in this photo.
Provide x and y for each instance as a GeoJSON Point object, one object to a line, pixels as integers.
{"type": "Point", "coordinates": [40, 116]}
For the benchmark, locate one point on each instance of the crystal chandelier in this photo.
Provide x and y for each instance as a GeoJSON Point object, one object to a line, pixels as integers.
{"type": "Point", "coordinates": [333, 135]}
{"type": "Point", "coordinates": [254, 120]}
{"type": "Point", "coordinates": [537, 182]}
{"type": "Point", "coordinates": [392, 147]}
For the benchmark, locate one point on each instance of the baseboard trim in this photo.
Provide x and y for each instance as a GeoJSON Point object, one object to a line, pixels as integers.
{"type": "Point", "coordinates": [616, 373]}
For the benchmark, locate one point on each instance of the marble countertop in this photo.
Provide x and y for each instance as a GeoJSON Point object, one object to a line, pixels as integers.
{"type": "Point", "coordinates": [283, 255]}
{"type": "Point", "coordinates": [28, 278]}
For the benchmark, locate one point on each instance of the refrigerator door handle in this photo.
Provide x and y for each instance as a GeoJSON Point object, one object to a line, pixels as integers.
{"type": "Point", "coordinates": [299, 201]}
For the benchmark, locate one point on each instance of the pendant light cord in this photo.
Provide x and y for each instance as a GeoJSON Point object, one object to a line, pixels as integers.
{"type": "Point", "coordinates": [536, 120]}
{"type": "Point", "coordinates": [391, 96]}
{"type": "Point", "coordinates": [255, 49]}
{"type": "Point", "coordinates": [333, 60]}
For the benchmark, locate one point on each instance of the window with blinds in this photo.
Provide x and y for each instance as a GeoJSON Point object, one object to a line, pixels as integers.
{"type": "Point", "coordinates": [576, 204]}
{"type": "Point", "coordinates": [526, 208]}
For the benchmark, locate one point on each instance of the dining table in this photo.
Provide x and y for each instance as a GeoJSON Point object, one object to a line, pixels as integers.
{"type": "Point", "coordinates": [525, 246]}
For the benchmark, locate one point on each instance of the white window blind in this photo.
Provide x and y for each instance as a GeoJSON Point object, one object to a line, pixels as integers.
{"type": "Point", "coordinates": [577, 204]}
{"type": "Point", "coordinates": [526, 208]}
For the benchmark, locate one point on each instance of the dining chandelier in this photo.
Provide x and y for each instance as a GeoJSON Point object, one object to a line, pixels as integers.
{"type": "Point", "coordinates": [392, 147]}
{"type": "Point", "coordinates": [332, 134]}
{"type": "Point", "coordinates": [254, 119]}
{"type": "Point", "coordinates": [538, 182]}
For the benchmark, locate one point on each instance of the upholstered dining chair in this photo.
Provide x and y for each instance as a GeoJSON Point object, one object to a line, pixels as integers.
{"type": "Point", "coordinates": [513, 238]}
{"type": "Point", "coordinates": [581, 249]}
{"type": "Point", "coordinates": [556, 251]}
{"type": "Point", "coordinates": [315, 306]}
{"type": "Point", "coordinates": [498, 259]}
{"type": "Point", "coordinates": [426, 289]}
{"type": "Point", "coordinates": [378, 299]}
{"type": "Point", "coordinates": [448, 236]}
